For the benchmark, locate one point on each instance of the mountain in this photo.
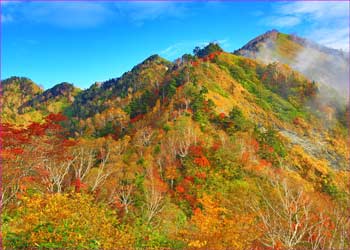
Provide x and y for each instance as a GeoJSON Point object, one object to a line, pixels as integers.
{"type": "Point", "coordinates": [196, 153]}
{"type": "Point", "coordinates": [15, 91]}
{"type": "Point", "coordinates": [319, 63]}
{"type": "Point", "coordinates": [24, 101]}
{"type": "Point", "coordinates": [52, 100]}
{"type": "Point", "coordinates": [142, 77]}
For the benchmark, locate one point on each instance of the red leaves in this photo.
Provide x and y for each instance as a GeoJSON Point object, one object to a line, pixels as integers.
{"type": "Point", "coordinates": [264, 76]}
{"type": "Point", "coordinates": [117, 203]}
{"type": "Point", "coordinates": [136, 118]}
{"type": "Point", "coordinates": [68, 143]}
{"type": "Point", "coordinates": [156, 92]}
{"type": "Point", "coordinates": [196, 151]}
{"type": "Point", "coordinates": [17, 151]}
{"type": "Point", "coordinates": [222, 116]}
{"type": "Point", "coordinates": [180, 189]}
{"type": "Point", "coordinates": [78, 185]}
{"type": "Point", "coordinates": [211, 56]}
{"type": "Point", "coordinates": [55, 118]}
{"type": "Point", "coordinates": [202, 161]}
{"type": "Point", "coordinates": [195, 63]}
{"type": "Point", "coordinates": [36, 129]}
{"type": "Point", "coordinates": [197, 211]}
{"type": "Point", "coordinates": [201, 175]}
{"type": "Point", "coordinates": [25, 148]}
{"type": "Point", "coordinates": [216, 146]}
{"type": "Point", "coordinates": [264, 163]}
{"type": "Point", "coordinates": [189, 179]}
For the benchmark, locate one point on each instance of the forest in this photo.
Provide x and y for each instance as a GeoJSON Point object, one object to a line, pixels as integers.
{"type": "Point", "coordinates": [211, 151]}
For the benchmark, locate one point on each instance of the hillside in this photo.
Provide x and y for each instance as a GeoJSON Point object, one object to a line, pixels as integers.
{"type": "Point", "coordinates": [23, 101]}
{"type": "Point", "coordinates": [317, 62]}
{"type": "Point", "coordinates": [15, 91]}
{"type": "Point", "coordinates": [212, 151]}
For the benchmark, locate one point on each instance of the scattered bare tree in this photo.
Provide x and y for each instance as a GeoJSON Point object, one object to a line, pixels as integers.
{"type": "Point", "coordinates": [286, 219]}
{"type": "Point", "coordinates": [154, 194]}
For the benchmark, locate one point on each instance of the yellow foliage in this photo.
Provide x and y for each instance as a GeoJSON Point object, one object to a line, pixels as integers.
{"type": "Point", "coordinates": [65, 221]}
{"type": "Point", "coordinates": [216, 227]}
{"type": "Point", "coordinates": [308, 165]}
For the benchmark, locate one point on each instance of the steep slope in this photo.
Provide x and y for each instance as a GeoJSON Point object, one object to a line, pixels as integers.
{"type": "Point", "coordinates": [269, 96]}
{"type": "Point", "coordinates": [319, 63]}
{"type": "Point", "coordinates": [196, 154]}
{"type": "Point", "coordinates": [142, 77]}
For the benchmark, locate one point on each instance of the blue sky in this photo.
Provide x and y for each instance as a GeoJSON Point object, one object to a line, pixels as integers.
{"type": "Point", "coordinates": [84, 42]}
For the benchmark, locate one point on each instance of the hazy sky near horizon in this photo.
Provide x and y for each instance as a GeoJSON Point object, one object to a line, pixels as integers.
{"type": "Point", "coordinates": [83, 42]}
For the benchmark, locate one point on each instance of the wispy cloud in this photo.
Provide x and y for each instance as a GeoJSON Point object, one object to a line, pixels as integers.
{"type": "Point", "coordinates": [324, 22]}
{"type": "Point", "coordinates": [63, 14]}
{"type": "Point", "coordinates": [141, 11]}
{"type": "Point", "coordinates": [90, 14]}
{"type": "Point", "coordinates": [281, 21]}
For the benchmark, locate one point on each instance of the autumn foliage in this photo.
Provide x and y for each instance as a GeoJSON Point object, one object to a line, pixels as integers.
{"type": "Point", "coordinates": [212, 151]}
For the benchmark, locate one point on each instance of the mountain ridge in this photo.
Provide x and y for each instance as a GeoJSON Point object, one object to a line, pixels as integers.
{"type": "Point", "coordinates": [197, 153]}
{"type": "Point", "coordinates": [320, 63]}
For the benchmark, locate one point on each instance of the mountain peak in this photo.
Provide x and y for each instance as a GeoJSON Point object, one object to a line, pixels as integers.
{"type": "Point", "coordinates": [208, 49]}
{"type": "Point", "coordinates": [154, 57]}
{"type": "Point", "coordinates": [62, 90]}
{"type": "Point", "coordinates": [24, 84]}
{"type": "Point", "coordinates": [318, 62]}
{"type": "Point", "coordinates": [253, 45]}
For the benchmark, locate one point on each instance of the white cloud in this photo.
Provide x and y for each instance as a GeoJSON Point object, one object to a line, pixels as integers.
{"type": "Point", "coordinates": [74, 14]}
{"type": "Point", "coordinates": [77, 14]}
{"type": "Point", "coordinates": [323, 22]}
{"type": "Point", "coordinates": [281, 21]}
{"type": "Point", "coordinates": [330, 37]}
{"type": "Point", "coordinates": [141, 11]}
{"type": "Point", "coordinates": [316, 10]}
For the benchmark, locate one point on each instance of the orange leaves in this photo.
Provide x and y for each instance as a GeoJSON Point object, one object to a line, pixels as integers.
{"type": "Point", "coordinates": [54, 118]}
{"type": "Point", "coordinates": [245, 157]}
{"type": "Point", "coordinates": [201, 175]}
{"type": "Point", "coordinates": [117, 203]}
{"type": "Point", "coordinates": [199, 158]}
{"type": "Point", "coordinates": [195, 63]}
{"type": "Point", "coordinates": [222, 115]}
{"type": "Point", "coordinates": [216, 227]}
{"type": "Point", "coordinates": [196, 150]}
{"type": "Point", "coordinates": [202, 161]}
{"type": "Point", "coordinates": [216, 146]}
{"type": "Point", "coordinates": [36, 129]}
{"type": "Point", "coordinates": [255, 144]}
{"type": "Point", "coordinates": [180, 189]}
{"type": "Point", "coordinates": [78, 185]}
{"type": "Point", "coordinates": [189, 179]}
{"type": "Point", "coordinates": [264, 163]}
{"type": "Point", "coordinates": [197, 211]}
